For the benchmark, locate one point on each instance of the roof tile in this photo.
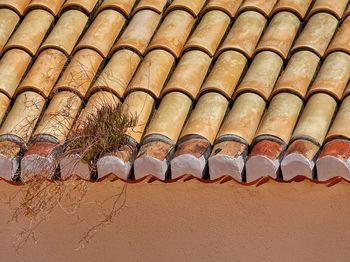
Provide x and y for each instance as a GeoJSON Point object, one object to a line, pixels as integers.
{"type": "Point", "coordinates": [279, 35]}
{"type": "Point", "coordinates": [209, 32]}
{"type": "Point", "coordinates": [152, 73]}
{"type": "Point", "coordinates": [170, 116]}
{"type": "Point", "coordinates": [31, 31]}
{"type": "Point", "coordinates": [8, 22]}
{"type": "Point", "coordinates": [18, 6]}
{"type": "Point", "coordinates": [339, 128]}
{"type": "Point", "coordinates": [341, 41]}
{"type": "Point", "coordinates": [49, 5]}
{"type": "Point", "coordinates": [102, 33]}
{"type": "Point", "coordinates": [298, 7]}
{"type": "Point", "coordinates": [173, 32]}
{"type": "Point", "coordinates": [116, 76]}
{"type": "Point", "coordinates": [281, 117]}
{"type": "Point", "coordinates": [317, 34]}
{"type": "Point", "coordinates": [316, 118]}
{"type": "Point", "coordinates": [139, 31]}
{"type": "Point", "coordinates": [243, 119]}
{"type": "Point", "coordinates": [263, 7]}
{"type": "Point", "coordinates": [192, 7]}
{"type": "Point", "coordinates": [66, 32]}
{"type": "Point", "coordinates": [335, 8]}
{"type": "Point", "coordinates": [333, 75]}
{"type": "Point", "coordinates": [13, 66]}
{"type": "Point", "coordinates": [205, 120]}
{"type": "Point", "coordinates": [44, 73]}
{"type": "Point", "coordinates": [156, 6]}
{"type": "Point", "coordinates": [225, 74]}
{"type": "Point", "coordinates": [297, 76]}
{"type": "Point", "coordinates": [4, 104]}
{"type": "Point", "coordinates": [85, 5]}
{"type": "Point", "coordinates": [189, 73]}
{"type": "Point", "coordinates": [245, 33]}
{"type": "Point", "coordinates": [80, 72]}
{"type": "Point", "coordinates": [262, 74]}
{"type": "Point", "coordinates": [123, 6]}
{"type": "Point", "coordinates": [230, 7]}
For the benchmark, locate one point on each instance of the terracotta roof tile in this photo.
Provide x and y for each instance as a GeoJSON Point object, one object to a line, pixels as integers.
{"type": "Point", "coordinates": [102, 33]}
{"type": "Point", "coordinates": [189, 73]}
{"type": "Point", "coordinates": [85, 5]}
{"type": "Point", "coordinates": [123, 6]}
{"type": "Point", "coordinates": [173, 32]}
{"type": "Point", "coordinates": [230, 7]}
{"type": "Point", "coordinates": [341, 41]}
{"type": "Point", "coordinates": [8, 22]}
{"type": "Point", "coordinates": [263, 7]}
{"type": "Point", "coordinates": [335, 8]}
{"type": "Point", "coordinates": [209, 32]}
{"type": "Point", "coordinates": [298, 7]}
{"type": "Point", "coordinates": [139, 31]}
{"type": "Point", "coordinates": [279, 35]}
{"type": "Point", "coordinates": [317, 34]}
{"type": "Point", "coordinates": [66, 32]}
{"type": "Point", "coordinates": [197, 79]}
{"type": "Point", "coordinates": [13, 66]}
{"type": "Point", "coordinates": [18, 6]}
{"type": "Point", "coordinates": [31, 32]}
{"type": "Point", "coordinates": [49, 5]}
{"type": "Point", "coordinates": [245, 33]}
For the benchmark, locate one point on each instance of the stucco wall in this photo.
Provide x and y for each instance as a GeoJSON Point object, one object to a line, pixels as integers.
{"type": "Point", "coordinates": [192, 221]}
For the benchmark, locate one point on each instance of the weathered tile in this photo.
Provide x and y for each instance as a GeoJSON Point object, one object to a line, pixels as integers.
{"type": "Point", "coordinates": [230, 7]}
{"type": "Point", "coordinates": [298, 7]}
{"type": "Point", "coordinates": [52, 6]}
{"type": "Point", "coordinates": [339, 128]}
{"type": "Point", "coordinates": [192, 7]}
{"type": "Point", "coordinates": [156, 6]}
{"type": "Point", "coordinates": [85, 5]}
{"type": "Point", "coordinates": [123, 6]}
{"type": "Point", "coordinates": [8, 22]}
{"type": "Point", "coordinates": [264, 7]}
{"type": "Point", "coordinates": [341, 41]}
{"type": "Point", "coordinates": [335, 8]}
{"type": "Point", "coordinates": [18, 6]}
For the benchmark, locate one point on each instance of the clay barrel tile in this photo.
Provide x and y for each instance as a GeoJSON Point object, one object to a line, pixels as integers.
{"type": "Point", "coordinates": [298, 7]}
{"type": "Point", "coordinates": [316, 118]}
{"type": "Point", "coordinates": [225, 74]}
{"type": "Point", "coordinates": [152, 73]}
{"type": "Point", "coordinates": [59, 116]}
{"type": "Point", "coordinates": [192, 7]}
{"type": "Point", "coordinates": [333, 75]}
{"type": "Point", "coordinates": [31, 31]}
{"type": "Point", "coordinates": [297, 76]}
{"type": "Point", "coordinates": [23, 116]}
{"type": "Point", "coordinates": [264, 7]}
{"type": "Point", "coordinates": [347, 91]}
{"type": "Point", "coordinates": [18, 6]}
{"type": "Point", "coordinates": [13, 65]}
{"type": "Point", "coordinates": [244, 117]}
{"type": "Point", "coordinates": [340, 127]}
{"type": "Point", "coordinates": [52, 6]}
{"type": "Point", "coordinates": [189, 74]}
{"type": "Point", "coordinates": [317, 34]}
{"type": "Point", "coordinates": [123, 6]}
{"type": "Point", "coordinates": [209, 32]}
{"type": "Point", "coordinates": [230, 7]}
{"type": "Point", "coordinates": [86, 5]}
{"type": "Point", "coordinates": [262, 74]}
{"type": "Point", "coordinates": [281, 117]}
{"type": "Point", "coordinates": [96, 102]}
{"type": "Point", "coordinates": [139, 106]}
{"type": "Point", "coordinates": [170, 116]}
{"type": "Point", "coordinates": [347, 12]}
{"type": "Point", "coordinates": [139, 31]}
{"type": "Point", "coordinates": [44, 73]}
{"type": "Point", "coordinates": [173, 32]}
{"type": "Point", "coordinates": [279, 35]}
{"type": "Point", "coordinates": [66, 32]}
{"type": "Point", "coordinates": [205, 120]}
{"type": "Point", "coordinates": [156, 6]}
{"type": "Point", "coordinates": [102, 32]}
{"type": "Point", "coordinates": [8, 22]}
{"type": "Point", "coordinates": [245, 33]}
{"type": "Point", "coordinates": [4, 104]}
{"type": "Point", "coordinates": [341, 41]}
{"type": "Point", "coordinates": [80, 72]}
{"type": "Point", "coordinates": [116, 76]}
{"type": "Point", "coordinates": [335, 8]}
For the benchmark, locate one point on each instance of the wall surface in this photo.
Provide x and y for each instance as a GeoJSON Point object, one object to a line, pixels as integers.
{"type": "Point", "coordinates": [192, 221]}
